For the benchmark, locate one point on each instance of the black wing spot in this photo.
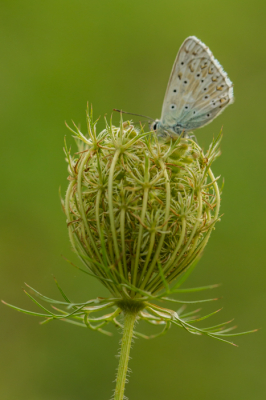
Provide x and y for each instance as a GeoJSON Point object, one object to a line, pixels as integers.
{"type": "Point", "coordinates": [173, 106]}
{"type": "Point", "coordinates": [185, 82]}
{"type": "Point", "coordinates": [182, 62]}
{"type": "Point", "coordinates": [174, 90]}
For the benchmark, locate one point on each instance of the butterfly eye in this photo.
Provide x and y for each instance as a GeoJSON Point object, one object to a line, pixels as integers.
{"type": "Point", "coordinates": [154, 127]}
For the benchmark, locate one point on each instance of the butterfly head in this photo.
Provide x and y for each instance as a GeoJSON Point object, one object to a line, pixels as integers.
{"type": "Point", "coordinates": [155, 125]}
{"type": "Point", "coordinates": [165, 132]}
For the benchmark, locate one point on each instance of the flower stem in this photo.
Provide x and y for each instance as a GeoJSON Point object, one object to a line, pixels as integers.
{"type": "Point", "coordinates": [124, 355]}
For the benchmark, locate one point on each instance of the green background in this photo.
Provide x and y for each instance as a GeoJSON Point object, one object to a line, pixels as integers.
{"type": "Point", "coordinates": [56, 56]}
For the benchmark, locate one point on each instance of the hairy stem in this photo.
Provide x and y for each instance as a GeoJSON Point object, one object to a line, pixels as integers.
{"type": "Point", "coordinates": [124, 355]}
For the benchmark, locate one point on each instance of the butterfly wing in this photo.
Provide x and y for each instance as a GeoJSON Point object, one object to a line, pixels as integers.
{"type": "Point", "coordinates": [198, 89]}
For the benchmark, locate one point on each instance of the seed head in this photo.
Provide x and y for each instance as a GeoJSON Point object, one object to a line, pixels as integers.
{"type": "Point", "coordinates": [139, 214]}
{"type": "Point", "coordinates": [139, 211]}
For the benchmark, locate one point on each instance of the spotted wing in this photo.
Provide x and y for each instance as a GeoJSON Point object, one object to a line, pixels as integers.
{"type": "Point", "coordinates": [198, 89]}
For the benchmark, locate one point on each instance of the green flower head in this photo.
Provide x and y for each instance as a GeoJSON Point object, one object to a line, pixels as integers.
{"type": "Point", "coordinates": [139, 211]}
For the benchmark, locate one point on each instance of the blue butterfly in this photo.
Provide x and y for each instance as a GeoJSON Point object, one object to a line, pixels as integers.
{"type": "Point", "coordinates": [198, 91]}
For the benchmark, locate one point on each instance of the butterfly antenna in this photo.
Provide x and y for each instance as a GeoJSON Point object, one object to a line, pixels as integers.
{"type": "Point", "coordinates": [138, 115]}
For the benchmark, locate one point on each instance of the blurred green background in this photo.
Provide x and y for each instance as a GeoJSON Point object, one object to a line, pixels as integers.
{"type": "Point", "coordinates": [57, 55]}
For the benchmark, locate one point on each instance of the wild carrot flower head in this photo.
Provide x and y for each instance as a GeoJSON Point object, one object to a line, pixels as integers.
{"type": "Point", "coordinates": [139, 211]}
{"type": "Point", "coordinates": [139, 215]}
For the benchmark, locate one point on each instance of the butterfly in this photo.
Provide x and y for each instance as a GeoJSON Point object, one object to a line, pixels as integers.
{"type": "Point", "coordinates": [198, 91]}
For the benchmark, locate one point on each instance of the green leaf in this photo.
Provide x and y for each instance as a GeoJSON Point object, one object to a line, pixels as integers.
{"type": "Point", "coordinates": [163, 277]}
{"type": "Point", "coordinates": [36, 302]}
{"type": "Point", "coordinates": [189, 313]}
{"type": "Point", "coordinates": [207, 316]}
{"type": "Point", "coordinates": [44, 298]}
{"type": "Point", "coordinates": [197, 289]}
{"type": "Point", "coordinates": [90, 273]}
{"type": "Point", "coordinates": [70, 321]}
{"type": "Point", "coordinates": [61, 291]}
{"type": "Point", "coordinates": [26, 311]}
{"type": "Point", "coordinates": [188, 302]}
{"type": "Point", "coordinates": [223, 340]}
{"type": "Point", "coordinates": [219, 325]}
{"type": "Point", "coordinates": [235, 334]}
{"type": "Point", "coordinates": [185, 275]}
